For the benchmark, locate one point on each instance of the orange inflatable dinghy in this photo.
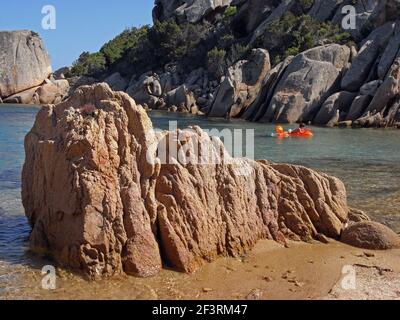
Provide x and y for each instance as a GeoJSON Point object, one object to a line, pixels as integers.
{"type": "Point", "coordinates": [306, 133]}
{"type": "Point", "coordinates": [281, 133]}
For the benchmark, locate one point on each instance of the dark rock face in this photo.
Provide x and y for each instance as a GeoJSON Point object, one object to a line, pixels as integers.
{"type": "Point", "coordinates": [116, 82]}
{"type": "Point", "coordinates": [102, 200]}
{"type": "Point", "coordinates": [338, 103]}
{"type": "Point", "coordinates": [252, 13]}
{"type": "Point", "coordinates": [24, 62]}
{"type": "Point", "coordinates": [186, 10]}
{"type": "Point", "coordinates": [370, 235]}
{"type": "Point", "coordinates": [357, 108]}
{"type": "Point", "coordinates": [370, 49]}
{"type": "Point", "coordinates": [323, 10]}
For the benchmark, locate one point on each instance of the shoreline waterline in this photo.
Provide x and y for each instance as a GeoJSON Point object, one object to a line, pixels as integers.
{"type": "Point", "coordinates": [217, 119]}
{"type": "Point", "coordinates": [22, 106]}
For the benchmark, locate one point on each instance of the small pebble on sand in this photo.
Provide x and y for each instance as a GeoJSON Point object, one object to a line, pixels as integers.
{"type": "Point", "coordinates": [268, 279]}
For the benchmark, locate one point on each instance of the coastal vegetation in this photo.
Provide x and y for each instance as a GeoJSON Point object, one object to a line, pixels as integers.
{"type": "Point", "coordinates": [291, 35]}
{"type": "Point", "coordinates": [214, 47]}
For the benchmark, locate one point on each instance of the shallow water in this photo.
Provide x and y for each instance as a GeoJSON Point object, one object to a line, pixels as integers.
{"type": "Point", "coordinates": [367, 160]}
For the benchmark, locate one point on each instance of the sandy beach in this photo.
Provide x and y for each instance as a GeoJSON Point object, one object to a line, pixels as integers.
{"type": "Point", "coordinates": [269, 272]}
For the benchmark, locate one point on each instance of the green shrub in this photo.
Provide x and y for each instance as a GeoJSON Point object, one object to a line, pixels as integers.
{"type": "Point", "coordinates": [172, 42]}
{"type": "Point", "coordinates": [237, 52]}
{"type": "Point", "coordinates": [226, 40]}
{"type": "Point", "coordinates": [95, 63]}
{"type": "Point", "coordinates": [216, 64]}
{"type": "Point", "coordinates": [141, 55]}
{"type": "Point", "coordinates": [165, 36]}
{"type": "Point", "coordinates": [306, 4]}
{"type": "Point", "coordinates": [230, 12]}
{"type": "Point", "coordinates": [116, 48]}
{"type": "Point", "coordinates": [92, 64]}
{"type": "Point", "coordinates": [292, 51]}
{"type": "Point", "coordinates": [291, 35]}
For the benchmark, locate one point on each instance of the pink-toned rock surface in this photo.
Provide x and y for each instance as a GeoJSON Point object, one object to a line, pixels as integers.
{"type": "Point", "coordinates": [102, 200]}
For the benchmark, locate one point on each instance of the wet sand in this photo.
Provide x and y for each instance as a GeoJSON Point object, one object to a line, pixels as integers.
{"type": "Point", "coordinates": [270, 272]}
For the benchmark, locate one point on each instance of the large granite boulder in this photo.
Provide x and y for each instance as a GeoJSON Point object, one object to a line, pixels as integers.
{"type": "Point", "coordinates": [182, 98]}
{"type": "Point", "coordinates": [146, 90]}
{"type": "Point", "coordinates": [370, 14]}
{"type": "Point", "coordinates": [28, 96]}
{"type": "Point", "coordinates": [186, 10]}
{"type": "Point", "coordinates": [308, 81]}
{"type": "Point", "coordinates": [53, 92]}
{"type": "Point", "coordinates": [24, 62]}
{"type": "Point", "coordinates": [241, 86]}
{"type": "Point", "coordinates": [116, 82]}
{"type": "Point", "coordinates": [100, 188]}
{"type": "Point", "coordinates": [106, 195]}
{"type": "Point", "coordinates": [260, 105]}
{"type": "Point", "coordinates": [62, 73]}
{"type": "Point", "coordinates": [370, 88]}
{"type": "Point", "coordinates": [77, 81]}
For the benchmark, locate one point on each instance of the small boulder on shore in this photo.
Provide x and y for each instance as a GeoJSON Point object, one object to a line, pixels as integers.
{"type": "Point", "coordinates": [370, 235]}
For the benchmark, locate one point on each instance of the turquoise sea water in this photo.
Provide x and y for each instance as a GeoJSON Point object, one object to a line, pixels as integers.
{"type": "Point", "coordinates": [368, 161]}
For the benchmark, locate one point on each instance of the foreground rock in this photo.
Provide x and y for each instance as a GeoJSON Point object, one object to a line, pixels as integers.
{"type": "Point", "coordinates": [370, 235]}
{"type": "Point", "coordinates": [102, 188]}
{"type": "Point", "coordinates": [24, 62]}
{"type": "Point", "coordinates": [100, 201]}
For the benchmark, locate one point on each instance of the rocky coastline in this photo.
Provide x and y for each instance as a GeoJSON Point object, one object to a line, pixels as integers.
{"type": "Point", "coordinates": [353, 83]}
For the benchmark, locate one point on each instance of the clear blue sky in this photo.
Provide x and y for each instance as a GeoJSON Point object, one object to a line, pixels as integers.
{"type": "Point", "coordinates": [82, 25]}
